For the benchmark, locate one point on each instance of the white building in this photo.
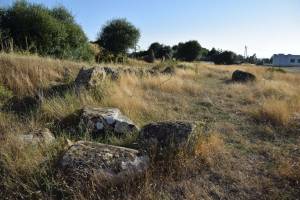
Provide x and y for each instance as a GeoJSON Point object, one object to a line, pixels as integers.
{"type": "Point", "coordinates": [289, 60]}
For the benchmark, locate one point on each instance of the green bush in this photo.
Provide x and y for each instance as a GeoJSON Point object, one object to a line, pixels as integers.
{"type": "Point", "coordinates": [188, 51]}
{"type": "Point", "coordinates": [225, 58]}
{"type": "Point", "coordinates": [104, 56]}
{"type": "Point", "coordinates": [37, 29]}
{"type": "Point", "coordinates": [160, 50]}
{"type": "Point", "coordinates": [118, 36]}
{"type": "Point", "coordinates": [150, 58]}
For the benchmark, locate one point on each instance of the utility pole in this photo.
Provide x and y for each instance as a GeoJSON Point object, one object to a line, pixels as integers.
{"type": "Point", "coordinates": [246, 52]}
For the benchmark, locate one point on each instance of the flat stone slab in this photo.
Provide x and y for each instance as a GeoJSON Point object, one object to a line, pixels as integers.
{"type": "Point", "coordinates": [108, 163]}
{"type": "Point", "coordinates": [100, 121]}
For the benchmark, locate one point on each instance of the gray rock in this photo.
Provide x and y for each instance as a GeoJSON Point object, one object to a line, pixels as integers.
{"type": "Point", "coordinates": [91, 77]}
{"type": "Point", "coordinates": [152, 72]}
{"type": "Point", "coordinates": [128, 70]}
{"type": "Point", "coordinates": [100, 121]}
{"type": "Point", "coordinates": [165, 136]}
{"type": "Point", "coordinates": [37, 137]}
{"type": "Point", "coordinates": [241, 76]}
{"type": "Point", "coordinates": [109, 164]}
{"type": "Point", "coordinates": [133, 71]}
{"type": "Point", "coordinates": [112, 72]}
{"type": "Point", "coordinates": [156, 70]}
{"type": "Point", "coordinates": [168, 70]}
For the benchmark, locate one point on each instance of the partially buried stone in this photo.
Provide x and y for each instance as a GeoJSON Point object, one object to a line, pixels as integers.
{"type": "Point", "coordinates": [241, 76]}
{"type": "Point", "coordinates": [109, 164]}
{"type": "Point", "coordinates": [165, 137]}
{"type": "Point", "coordinates": [91, 77]}
{"type": "Point", "coordinates": [37, 137]}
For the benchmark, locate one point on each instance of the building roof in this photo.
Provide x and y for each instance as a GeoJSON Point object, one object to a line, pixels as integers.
{"type": "Point", "coordinates": [280, 54]}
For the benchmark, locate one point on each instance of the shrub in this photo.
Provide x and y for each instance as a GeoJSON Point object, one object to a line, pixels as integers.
{"type": "Point", "coordinates": [203, 53]}
{"type": "Point", "coordinates": [160, 51]}
{"type": "Point", "coordinates": [211, 55]}
{"type": "Point", "coordinates": [251, 59]}
{"type": "Point", "coordinates": [37, 29]}
{"type": "Point", "coordinates": [139, 54]}
{"type": "Point", "coordinates": [188, 51]}
{"type": "Point", "coordinates": [226, 58]}
{"type": "Point", "coordinates": [118, 36]}
{"type": "Point", "coordinates": [103, 56]}
{"type": "Point", "coordinates": [150, 57]}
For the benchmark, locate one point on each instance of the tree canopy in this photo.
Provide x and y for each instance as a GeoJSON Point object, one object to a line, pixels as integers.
{"type": "Point", "coordinates": [226, 58]}
{"type": "Point", "coordinates": [160, 50]}
{"type": "Point", "coordinates": [118, 36]}
{"type": "Point", "coordinates": [188, 51]}
{"type": "Point", "coordinates": [35, 28]}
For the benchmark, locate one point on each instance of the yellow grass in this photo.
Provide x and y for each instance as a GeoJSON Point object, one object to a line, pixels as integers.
{"type": "Point", "coordinates": [274, 97]}
{"type": "Point", "coordinates": [60, 107]}
{"type": "Point", "coordinates": [230, 146]}
{"type": "Point", "coordinates": [211, 149]}
{"type": "Point", "coordinates": [278, 101]}
{"type": "Point", "coordinates": [277, 88]}
{"type": "Point", "coordinates": [274, 111]}
{"type": "Point", "coordinates": [26, 74]}
{"type": "Point", "coordinates": [289, 168]}
{"type": "Point", "coordinates": [141, 97]}
{"type": "Point", "coordinates": [171, 85]}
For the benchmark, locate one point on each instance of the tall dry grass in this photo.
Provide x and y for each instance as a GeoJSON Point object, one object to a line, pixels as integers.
{"type": "Point", "coordinates": [141, 98]}
{"type": "Point", "coordinates": [289, 168]}
{"type": "Point", "coordinates": [25, 75]}
{"type": "Point", "coordinates": [278, 102]}
{"type": "Point", "coordinates": [276, 112]}
{"type": "Point", "coordinates": [28, 172]}
{"type": "Point", "coordinates": [274, 99]}
{"type": "Point", "coordinates": [211, 148]}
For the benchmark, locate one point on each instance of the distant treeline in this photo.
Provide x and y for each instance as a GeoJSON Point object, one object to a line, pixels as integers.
{"type": "Point", "coordinates": [192, 51]}
{"type": "Point", "coordinates": [34, 28]}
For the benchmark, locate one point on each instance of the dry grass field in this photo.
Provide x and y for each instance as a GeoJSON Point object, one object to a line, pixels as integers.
{"type": "Point", "coordinates": [249, 144]}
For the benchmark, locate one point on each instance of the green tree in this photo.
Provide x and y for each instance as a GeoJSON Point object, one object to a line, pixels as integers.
{"type": "Point", "coordinates": [150, 57]}
{"type": "Point", "coordinates": [62, 14]}
{"type": "Point", "coordinates": [118, 36]}
{"type": "Point", "coordinates": [252, 59]}
{"type": "Point", "coordinates": [226, 58]}
{"type": "Point", "coordinates": [212, 54]}
{"type": "Point", "coordinates": [188, 51]}
{"type": "Point", "coordinates": [160, 50]}
{"type": "Point", "coordinates": [155, 47]}
{"type": "Point", "coordinates": [203, 53]}
{"type": "Point", "coordinates": [37, 29]}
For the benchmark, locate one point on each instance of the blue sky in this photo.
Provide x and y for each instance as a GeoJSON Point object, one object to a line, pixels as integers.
{"type": "Point", "coordinates": [265, 26]}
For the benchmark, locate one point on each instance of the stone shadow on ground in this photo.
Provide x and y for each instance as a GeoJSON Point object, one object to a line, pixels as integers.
{"type": "Point", "coordinates": [58, 90]}
{"type": "Point", "coordinates": [25, 105]}
{"type": "Point", "coordinates": [22, 105]}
